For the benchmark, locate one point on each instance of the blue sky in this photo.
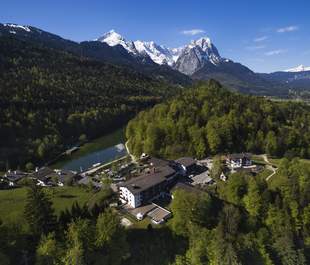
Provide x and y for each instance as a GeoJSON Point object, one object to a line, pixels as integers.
{"type": "Point", "coordinates": [263, 35]}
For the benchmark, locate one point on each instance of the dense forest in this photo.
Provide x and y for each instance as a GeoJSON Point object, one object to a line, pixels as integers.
{"type": "Point", "coordinates": [244, 220]}
{"type": "Point", "coordinates": [51, 99]}
{"type": "Point", "coordinates": [247, 222]}
{"type": "Point", "coordinates": [209, 119]}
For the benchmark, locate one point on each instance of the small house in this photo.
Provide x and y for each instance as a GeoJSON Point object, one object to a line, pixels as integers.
{"type": "Point", "coordinates": [43, 176]}
{"type": "Point", "coordinates": [66, 177]}
{"type": "Point", "coordinates": [236, 161]}
{"type": "Point", "coordinates": [12, 177]}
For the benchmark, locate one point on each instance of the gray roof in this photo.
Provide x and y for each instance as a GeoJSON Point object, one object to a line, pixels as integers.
{"type": "Point", "coordinates": [15, 175]}
{"type": "Point", "coordinates": [186, 161]}
{"type": "Point", "coordinates": [239, 156]}
{"type": "Point", "coordinates": [144, 182]}
{"type": "Point", "coordinates": [43, 173]}
{"type": "Point", "coordinates": [158, 162]}
{"type": "Point", "coordinates": [63, 175]}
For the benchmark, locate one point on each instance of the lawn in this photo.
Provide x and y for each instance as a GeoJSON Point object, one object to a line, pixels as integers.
{"type": "Point", "coordinates": [264, 174]}
{"type": "Point", "coordinates": [276, 179]}
{"type": "Point", "coordinates": [257, 159]}
{"type": "Point", "coordinates": [12, 202]}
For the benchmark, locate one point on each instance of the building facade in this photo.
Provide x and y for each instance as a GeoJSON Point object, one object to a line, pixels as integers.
{"type": "Point", "coordinates": [235, 161]}
{"type": "Point", "coordinates": [140, 190]}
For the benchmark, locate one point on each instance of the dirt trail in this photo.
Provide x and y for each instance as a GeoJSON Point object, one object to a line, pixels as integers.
{"type": "Point", "coordinates": [269, 166]}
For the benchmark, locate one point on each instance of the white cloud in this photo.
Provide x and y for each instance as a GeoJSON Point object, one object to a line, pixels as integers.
{"type": "Point", "coordinates": [287, 29]}
{"type": "Point", "coordinates": [254, 48]}
{"type": "Point", "coordinates": [275, 52]}
{"type": "Point", "coordinates": [260, 39]}
{"type": "Point", "coordinates": [192, 32]}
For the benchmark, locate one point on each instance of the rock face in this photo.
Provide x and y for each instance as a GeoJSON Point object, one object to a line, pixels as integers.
{"type": "Point", "coordinates": [111, 48]}
{"type": "Point", "coordinates": [197, 55]}
{"type": "Point", "coordinates": [198, 60]}
{"type": "Point", "coordinates": [158, 53]}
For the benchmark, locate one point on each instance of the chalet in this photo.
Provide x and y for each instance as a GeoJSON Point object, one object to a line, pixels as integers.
{"type": "Point", "coordinates": [66, 177]}
{"type": "Point", "coordinates": [43, 176]}
{"type": "Point", "coordinates": [46, 176]}
{"type": "Point", "coordinates": [12, 177]}
{"type": "Point", "coordinates": [187, 164]}
{"type": "Point", "coordinates": [236, 161]}
{"type": "Point", "coordinates": [140, 190]}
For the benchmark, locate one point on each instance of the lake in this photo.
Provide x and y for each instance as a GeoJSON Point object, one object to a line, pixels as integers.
{"type": "Point", "coordinates": [101, 150]}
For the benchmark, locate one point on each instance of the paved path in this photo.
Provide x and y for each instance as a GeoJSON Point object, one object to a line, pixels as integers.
{"type": "Point", "coordinates": [269, 166]}
{"type": "Point", "coordinates": [95, 169]}
{"type": "Point", "coordinates": [130, 154]}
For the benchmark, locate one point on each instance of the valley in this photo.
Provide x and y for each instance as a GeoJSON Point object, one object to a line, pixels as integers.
{"type": "Point", "coordinates": [118, 150]}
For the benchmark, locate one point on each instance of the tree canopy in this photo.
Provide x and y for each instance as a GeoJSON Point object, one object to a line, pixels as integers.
{"type": "Point", "coordinates": [51, 99]}
{"type": "Point", "coordinates": [209, 119]}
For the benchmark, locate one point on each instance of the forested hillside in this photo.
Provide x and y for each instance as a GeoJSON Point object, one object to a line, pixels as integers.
{"type": "Point", "coordinates": [50, 99]}
{"type": "Point", "coordinates": [97, 51]}
{"type": "Point", "coordinates": [210, 119]}
{"type": "Point", "coordinates": [247, 222]}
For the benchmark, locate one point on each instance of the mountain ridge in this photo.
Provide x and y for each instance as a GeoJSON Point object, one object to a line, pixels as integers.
{"type": "Point", "coordinates": [97, 51]}
{"type": "Point", "coordinates": [198, 60]}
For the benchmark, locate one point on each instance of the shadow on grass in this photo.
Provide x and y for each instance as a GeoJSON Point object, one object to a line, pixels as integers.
{"type": "Point", "coordinates": [154, 246]}
{"type": "Point", "coordinates": [67, 196]}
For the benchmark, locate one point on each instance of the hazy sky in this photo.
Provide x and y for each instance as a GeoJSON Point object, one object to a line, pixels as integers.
{"type": "Point", "coordinates": [263, 35]}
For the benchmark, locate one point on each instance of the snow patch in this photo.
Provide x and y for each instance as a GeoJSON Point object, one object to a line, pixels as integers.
{"type": "Point", "coordinates": [300, 68]}
{"type": "Point", "coordinates": [161, 54]}
{"type": "Point", "coordinates": [112, 38]}
{"type": "Point", "coordinates": [18, 27]}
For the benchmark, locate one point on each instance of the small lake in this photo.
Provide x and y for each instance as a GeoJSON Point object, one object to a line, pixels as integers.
{"type": "Point", "coordinates": [102, 150]}
{"type": "Point", "coordinates": [103, 156]}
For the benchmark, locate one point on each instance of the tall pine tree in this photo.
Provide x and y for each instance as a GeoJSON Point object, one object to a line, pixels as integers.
{"type": "Point", "coordinates": [39, 212]}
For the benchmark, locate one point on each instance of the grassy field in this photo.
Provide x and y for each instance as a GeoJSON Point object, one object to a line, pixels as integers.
{"type": "Point", "coordinates": [276, 179]}
{"type": "Point", "coordinates": [264, 174]}
{"type": "Point", "coordinates": [257, 159]}
{"type": "Point", "coordinates": [12, 202]}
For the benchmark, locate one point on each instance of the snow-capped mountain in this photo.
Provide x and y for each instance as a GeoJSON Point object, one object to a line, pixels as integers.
{"type": "Point", "coordinates": [295, 78]}
{"type": "Point", "coordinates": [186, 59]}
{"type": "Point", "coordinates": [13, 27]}
{"type": "Point", "coordinates": [298, 69]}
{"type": "Point", "coordinates": [159, 54]}
{"type": "Point", "coordinates": [112, 38]}
{"type": "Point", "coordinates": [196, 55]}
{"type": "Point", "coordinates": [198, 60]}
